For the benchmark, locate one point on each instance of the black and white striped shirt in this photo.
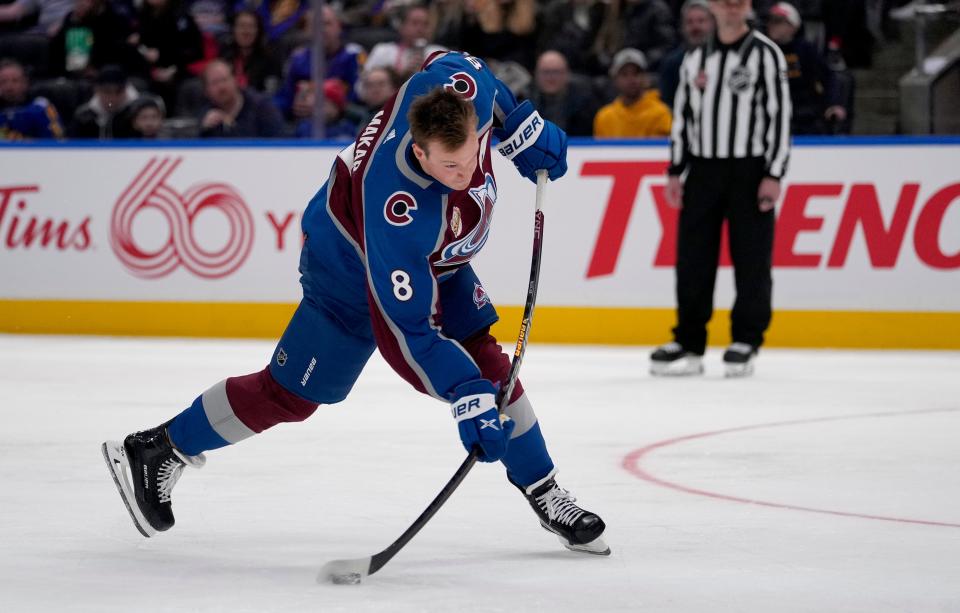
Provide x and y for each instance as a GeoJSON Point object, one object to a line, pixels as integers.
{"type": "Point", "coordinates": [733, 101]}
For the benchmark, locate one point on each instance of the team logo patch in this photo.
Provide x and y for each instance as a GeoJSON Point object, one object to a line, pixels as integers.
{"type": "Point", "coordinates": [456, 224]}
{"type": "Point", "coordinates": [281, 357]}
{"type": "Point", "coordinates": [740, 78]}
{"type": "Point", "coordinates": [463, 85]}
{"type": "Point", "coordinates": [398, 208]}
{"type": "Point", "coordinates": [480, 297]}
{"type": "Point", "coordinates": [460, 251]}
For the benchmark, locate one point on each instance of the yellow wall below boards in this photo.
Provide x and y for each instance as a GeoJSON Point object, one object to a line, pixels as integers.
{"type": "Point", "coordinates": [611, 326]}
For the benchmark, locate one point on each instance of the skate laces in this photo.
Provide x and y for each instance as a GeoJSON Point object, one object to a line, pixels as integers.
{"type": "Point", "coordinates": [743, 348]}
{"type": "Point", "coordinates": [671, 347]}
{"type": "Point", "coordinates": [167, 476]}
{"type": "Point", "coordinates": [558, 504]}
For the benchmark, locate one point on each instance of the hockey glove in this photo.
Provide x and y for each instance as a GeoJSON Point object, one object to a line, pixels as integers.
{"type": "Point", "coordinates": [533, 143]}
{"type": "Point", "coordinates": [480, 425]}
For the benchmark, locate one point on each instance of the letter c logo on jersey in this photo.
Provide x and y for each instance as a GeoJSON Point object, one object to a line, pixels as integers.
{"type": "Point", "coordinates": [462, 85]}
{"type": "Point", "coordinates": [398, 208]}
{"type": "Point", "coordinates": [182, 244]}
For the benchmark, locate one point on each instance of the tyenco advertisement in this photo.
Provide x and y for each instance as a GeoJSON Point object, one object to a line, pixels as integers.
{"type": "Point", "coordinates": [865, 228]}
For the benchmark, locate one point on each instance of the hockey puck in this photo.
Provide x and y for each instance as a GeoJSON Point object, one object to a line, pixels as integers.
{"type": "Point", "coordinates": [346, 579]}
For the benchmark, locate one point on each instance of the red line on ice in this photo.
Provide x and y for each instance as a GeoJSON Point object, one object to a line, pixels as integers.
{"type": "Point", "coordinates": [632, 464]}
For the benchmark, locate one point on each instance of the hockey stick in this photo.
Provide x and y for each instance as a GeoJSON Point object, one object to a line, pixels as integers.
{"type": "Point", "coordinates": [353, 571]}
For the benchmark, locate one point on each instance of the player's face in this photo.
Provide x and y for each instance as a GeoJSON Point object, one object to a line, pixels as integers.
{"type": "Point", "coordinates": [452, 167]}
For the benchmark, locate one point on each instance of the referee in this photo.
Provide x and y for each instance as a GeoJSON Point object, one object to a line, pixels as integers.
{"type": "Point", "coordinates": [731, 137]}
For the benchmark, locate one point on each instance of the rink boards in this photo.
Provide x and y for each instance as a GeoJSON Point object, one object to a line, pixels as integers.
{"type": "Point", "coordinates": [201, 240]}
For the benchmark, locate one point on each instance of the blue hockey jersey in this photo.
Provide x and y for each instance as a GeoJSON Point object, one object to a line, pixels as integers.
{"type": "Point", "coordinates": [398, 232]}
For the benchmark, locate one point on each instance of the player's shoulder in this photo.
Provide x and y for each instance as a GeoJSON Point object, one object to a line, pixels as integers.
{"type": "Point", "coordinates": [453, 60]}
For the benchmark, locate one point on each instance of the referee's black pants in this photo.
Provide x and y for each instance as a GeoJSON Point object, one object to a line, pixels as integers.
{"type": "Point", "coordinates": [716, 190]}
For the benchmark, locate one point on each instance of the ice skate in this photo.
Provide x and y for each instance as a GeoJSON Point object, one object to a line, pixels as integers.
{"type": "Point", "coordinates": [672, 360]}
{"type": "Point", "coordinates": [738, 360]}
{"type": "Point", "coordinates": [145, 467]}
{"type": "Point", "coordinates": [578, 529]}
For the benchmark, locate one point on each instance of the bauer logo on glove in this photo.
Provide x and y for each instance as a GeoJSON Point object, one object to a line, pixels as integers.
{"type": "Point", "coordinates": [524, 136]}
{"type": "Point", "coordinates": [480, 425]}
{"type": "Point", "coordinates": [532, 143]}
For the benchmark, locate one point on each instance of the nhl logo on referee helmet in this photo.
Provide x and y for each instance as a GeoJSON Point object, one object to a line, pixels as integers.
{"type": "Point", "coordinates": [740, 78]}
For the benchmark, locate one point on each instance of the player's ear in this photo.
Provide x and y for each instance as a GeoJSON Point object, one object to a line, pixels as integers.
{"type": "Point", "coordinates": [419, 152]}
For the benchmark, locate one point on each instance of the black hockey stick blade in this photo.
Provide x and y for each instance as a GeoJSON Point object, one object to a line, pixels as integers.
{"type": "Point", "coordinates": [353, 571]}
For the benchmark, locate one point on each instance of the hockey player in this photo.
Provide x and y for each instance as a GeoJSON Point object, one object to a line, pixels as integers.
{"type": "Point", "coordinates": [386, 264]}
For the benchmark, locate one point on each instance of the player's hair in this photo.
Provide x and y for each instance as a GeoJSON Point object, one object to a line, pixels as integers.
{"type": "Point", "coordinates": [441, 115]}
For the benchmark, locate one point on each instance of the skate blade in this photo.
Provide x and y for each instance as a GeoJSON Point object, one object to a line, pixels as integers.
{"type": "Point", "coordinates": [732, 370]}
{"type": "Point", "coordinates": [684, 367]}
{"type": "Point", "coordinates": [596, 547]}
{"type": "Point", "coordinates": [116, 458]}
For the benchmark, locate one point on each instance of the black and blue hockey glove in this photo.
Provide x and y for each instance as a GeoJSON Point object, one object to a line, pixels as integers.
{"type": "Point", "coordinates": [480, 425]}
{"type": "Point", "coordinates": [533, 143]}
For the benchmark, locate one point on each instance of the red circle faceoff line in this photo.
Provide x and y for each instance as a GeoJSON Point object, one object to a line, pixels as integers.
{"type": "Point", "coordinates": [632, 464]}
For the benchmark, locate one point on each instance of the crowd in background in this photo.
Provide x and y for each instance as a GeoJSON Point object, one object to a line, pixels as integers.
{"type": "Point", "coordinates": [223, 68]}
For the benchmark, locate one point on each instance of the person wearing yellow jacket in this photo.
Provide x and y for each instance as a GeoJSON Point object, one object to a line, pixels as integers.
{"type": "Point", "coordinates": [637, 111]}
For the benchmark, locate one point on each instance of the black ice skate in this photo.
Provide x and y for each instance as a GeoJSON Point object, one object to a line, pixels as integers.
{"type": "Point", "coordinates": [673, 360]}
{"type": "Point", "coordinates": [578, 529]}
{"type": "Point", "coordinates": [738, 360]}
{"type": "Point", "coordinates": [145, 468]}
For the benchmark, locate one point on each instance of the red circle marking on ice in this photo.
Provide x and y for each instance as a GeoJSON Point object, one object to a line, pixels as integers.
{"type": "Point", "coordinates": [632, 461]}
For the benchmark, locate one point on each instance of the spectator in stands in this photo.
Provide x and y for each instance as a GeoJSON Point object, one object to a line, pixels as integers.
{"type": "Point", "coordinates": [407, 54]}
{"type": "Point", "coordinates": [570, 27]}
{"type": "Point", "coordinates": [638, 111]}
{"type": "Point", "coordinates": [20, 117]}
{"type": "Point", "coordinates": [91, 36]}
{"type": "Point", "coordinates": [168, 41]}
{"type": "Point", "coordinates": [846, 21]}
{"type": "Point", "coordinates": [254, 65]}
{"type": "Point", "coordinates": [697, 26]}
{"type": "Point", "coordinates": [646, 25]}
{"type": "Point", "coordinates": [343, 62]}
{"type": "Point", "coordinates": [211, 16]}
{"type": "Point", "coordinates": [566, 102]}
{"type": "Point", "coordinates": [336, 125]}
{"type": "Point", "coordinates": [142, 118]}
{"type": "Point", "coordinates": [234, 112]}
{"type": "Point", "coordinates": [44, 16]}
{"type": "Point", "coordinates": [282, 19]}
{"type": "Point", "coordinates": [367, 13]}
{"type": "Point", "coordinates": [815, 99]}
{"type": "Point", "coordinates": [97, 118]}
{"type": "Point", "coordinates": [501, 30]}
{"type": "Point", "coordinates": [377, 85]}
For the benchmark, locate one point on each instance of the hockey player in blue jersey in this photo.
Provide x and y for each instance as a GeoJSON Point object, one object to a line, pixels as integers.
{"type": "Point", "coordinates": [386, 264]}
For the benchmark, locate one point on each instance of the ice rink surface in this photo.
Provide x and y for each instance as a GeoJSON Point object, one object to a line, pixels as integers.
{"type": "Point", "coordinates": [828, 482]}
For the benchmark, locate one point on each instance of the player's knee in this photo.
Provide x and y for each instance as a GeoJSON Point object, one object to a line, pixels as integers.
{"type": "Point", "coordinates": [268, 402]}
